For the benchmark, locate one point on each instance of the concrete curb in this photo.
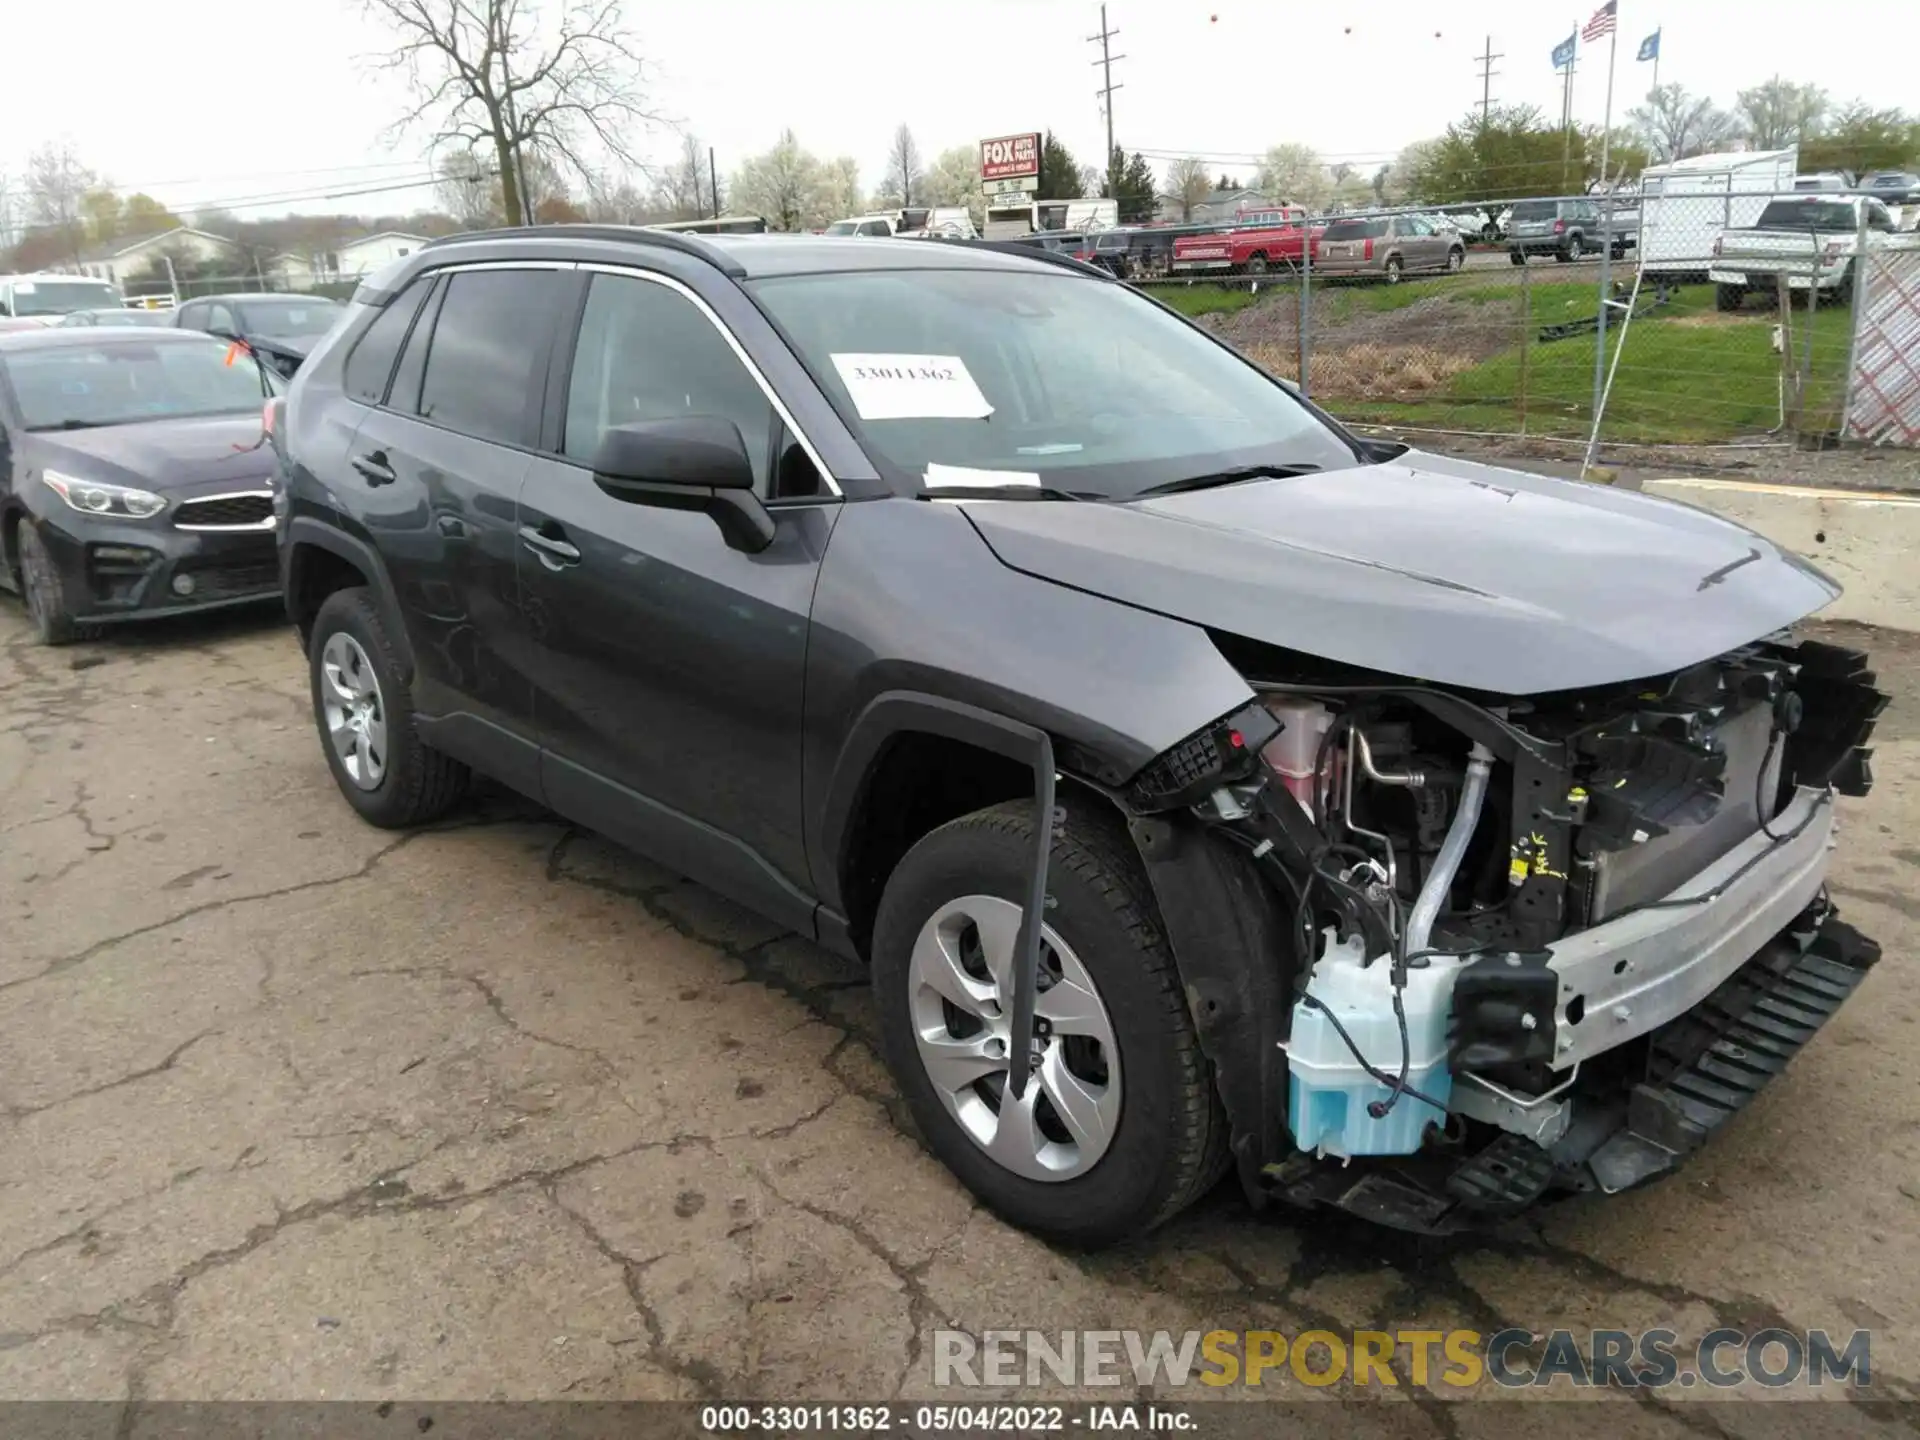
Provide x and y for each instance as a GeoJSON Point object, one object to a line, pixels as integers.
{"type": "Point", "coordinates": [1869, 541]}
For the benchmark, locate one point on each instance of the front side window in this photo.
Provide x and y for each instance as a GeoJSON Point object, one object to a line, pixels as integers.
{"type": "Point", "coordinates": [875, 227]}
{"type": "Point", "coordinates": [122, 381]}
{"type": "Point", "coordinates": [646, 352]}
{"type": "Point", "coordinates": [1084, 384]}
{"type": "Point", "coordinates": [487, 358]}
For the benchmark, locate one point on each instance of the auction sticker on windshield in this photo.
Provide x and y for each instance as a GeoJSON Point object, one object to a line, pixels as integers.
{"type": "Point", "coordinates": [912, 387]}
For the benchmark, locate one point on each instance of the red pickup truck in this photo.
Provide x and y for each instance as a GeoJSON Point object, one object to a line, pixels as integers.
{"type": "Point", "coordinates": [1260, 240]}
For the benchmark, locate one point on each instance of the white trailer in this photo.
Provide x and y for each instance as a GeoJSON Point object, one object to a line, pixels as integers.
{"type": "Point", "coordinates": [1031, 217]}
{"type": "Point", "coordinates": [1685, 204]}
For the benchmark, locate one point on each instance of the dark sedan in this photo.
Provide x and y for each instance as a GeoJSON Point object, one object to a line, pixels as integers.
{"type": "Point", "coordinates": [123, 315]}
{"type": "Point", "coordinates": [279, 328]}
{"type": "Point", "coordinates": [135, 476]}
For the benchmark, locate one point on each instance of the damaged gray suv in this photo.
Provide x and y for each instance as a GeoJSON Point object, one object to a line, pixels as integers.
{"type": "Point", "coordinates": [1208, 789]}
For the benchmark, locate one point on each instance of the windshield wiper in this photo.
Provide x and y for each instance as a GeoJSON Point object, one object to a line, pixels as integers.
{"type": "Point", "coordinates": [1224, 477]}
{"type": "Point", "coordinates": [71, 424]}
{"type": "Point", "coordinates": [1012, 490]}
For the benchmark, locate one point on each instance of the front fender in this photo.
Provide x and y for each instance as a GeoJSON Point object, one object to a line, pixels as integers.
{"type": "Point", "coordinates": [912, 603]}
{"type": "Point", "coordinates": [304, 534]}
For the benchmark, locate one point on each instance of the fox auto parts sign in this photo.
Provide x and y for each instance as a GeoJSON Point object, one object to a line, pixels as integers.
{"type": "Point", "coordinates": [1011, 157]}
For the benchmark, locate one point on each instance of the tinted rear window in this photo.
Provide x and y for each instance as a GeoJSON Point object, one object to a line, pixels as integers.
{"type": "Point", "coordinates": [1825, 216]}
{"type": "Point", "coordinates": [371, 362]}
{"type": "Point", "coordinates": [488, 355]}
{"type": "Point", "coordinates": [1355, 230]}
{"type": "Point", "coordinates": [1535, 210]}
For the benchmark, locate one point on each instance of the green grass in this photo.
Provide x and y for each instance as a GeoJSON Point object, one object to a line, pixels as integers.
{"type": "Point", "coordinates": [1683, 377]}
{"type": "Point", "coordinates": [1194, 301]}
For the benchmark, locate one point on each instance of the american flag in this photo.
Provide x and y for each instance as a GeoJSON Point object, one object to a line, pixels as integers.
{"type": "Point", "coordinates": [1602, 22]}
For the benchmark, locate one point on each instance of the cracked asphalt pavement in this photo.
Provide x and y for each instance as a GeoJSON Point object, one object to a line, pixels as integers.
{"type": "Point", "coordinates": [295, 1108]}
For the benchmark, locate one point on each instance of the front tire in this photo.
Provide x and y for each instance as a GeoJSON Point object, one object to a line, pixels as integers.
{"type": "Point", "coordinates": [364, 712]}
{"type": "Point", "coordinates": [1120, 1128]}
{"type": "Point", "coordinates": [1727, 298]}
{"type": "Point", "coordinates": [44, 594]}
{"type": "Point", "coordinates": [1518, 257]}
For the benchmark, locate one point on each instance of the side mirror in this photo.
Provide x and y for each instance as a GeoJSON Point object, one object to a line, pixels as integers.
{"type": "Point", "coordinates": [698, 462]}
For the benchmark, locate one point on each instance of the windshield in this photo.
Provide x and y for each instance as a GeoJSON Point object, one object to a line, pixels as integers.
{"type": "Point", "coordinates": [121, 382]}
{"type": "Point", "coordinates": [1045, 378]}
{"type": "Point", "coordinates": [288, 319]}
{"type": "Point", "coordinates": [61, 297]}
{"type": "Point", "coordinates": [1826, 216]}
{"type": "Point", "coordinates": [842, 227]}
{"type": "Point", "coordinates": [1356, 230]}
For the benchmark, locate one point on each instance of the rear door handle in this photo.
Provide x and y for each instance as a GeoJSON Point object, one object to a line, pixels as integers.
{"type": "Point", "coordinates": [375, 468]}
{"type": "Point", "coordinates": [550, 552]}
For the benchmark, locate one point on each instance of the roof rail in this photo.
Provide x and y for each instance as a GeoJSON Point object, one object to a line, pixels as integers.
{"type": "Point", "coordinates": [694, 245]}
{"type": "Point", "coordinates": [1031, 252]}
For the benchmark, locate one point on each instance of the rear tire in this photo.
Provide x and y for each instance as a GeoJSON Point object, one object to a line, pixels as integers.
{"type": "Point", "coordinates": [45, 596]}
{"type": "Point", "coordinates": [359, 690]}
{"type": "Point", "coordinates": [1573, 251]}
{"type": "Point", "coordinates": [1392, 272]}
{"type": "Point", "coordinates": [1456, 261]}
{"type": "Point", "coordinates": [1165, 1139]}
{"type": "Point", "coordinates": [1518, 257]}
{"type": "Point", "coordinates": [1257, 265]}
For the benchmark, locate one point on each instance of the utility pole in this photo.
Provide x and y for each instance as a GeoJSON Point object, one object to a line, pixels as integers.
{"type": "Point", "coordinates": [1105, 92]}
{"type": "Point", "coordinates": [1487, 72]}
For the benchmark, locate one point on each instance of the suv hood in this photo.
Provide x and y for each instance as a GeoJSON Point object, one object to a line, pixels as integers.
{"type": "Point", "coordinates": [1429, 568]}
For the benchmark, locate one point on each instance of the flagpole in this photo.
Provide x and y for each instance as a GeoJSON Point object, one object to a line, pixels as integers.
{"type": "Point", "coordinates": [1656, 57]}
{"type": "Point", "coordinates": [1606, 248]}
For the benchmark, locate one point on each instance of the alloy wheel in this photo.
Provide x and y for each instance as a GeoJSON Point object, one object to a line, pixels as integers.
{"type": "Point", "coordinates": [960, 998]}
{"type": "Point", "coordinates": [356, 716]}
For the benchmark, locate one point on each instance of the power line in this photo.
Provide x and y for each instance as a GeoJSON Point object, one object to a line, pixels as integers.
{"type": "Point", "coordinates": [1487, 72]}
{"type": "Point", "coordinates": [1105, 62]}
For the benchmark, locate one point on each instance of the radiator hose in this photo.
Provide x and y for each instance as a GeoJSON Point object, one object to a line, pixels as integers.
{"type": "Point", "coordinates": [1433, 894]}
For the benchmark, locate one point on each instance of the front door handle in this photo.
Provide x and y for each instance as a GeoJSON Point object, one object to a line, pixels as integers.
{"type": "Point", "coordinates": [375, 468]}
{"type": "Point", "coordinates": [550, 552]}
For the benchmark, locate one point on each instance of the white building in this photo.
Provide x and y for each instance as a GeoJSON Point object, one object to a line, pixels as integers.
{"type": "Point", "coordinates": [348, 260]}
{"type": "Point", "coordinates": [118, 260]}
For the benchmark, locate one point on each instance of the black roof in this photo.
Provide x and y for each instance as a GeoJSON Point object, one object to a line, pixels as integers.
{"type": "Point", "coordinates": [755, 256]}
{"type": "Point", "coordinates": [81, 336]}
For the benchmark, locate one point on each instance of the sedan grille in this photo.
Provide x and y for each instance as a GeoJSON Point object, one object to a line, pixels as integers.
{"type": "Point", "coordinates": [251, 510]}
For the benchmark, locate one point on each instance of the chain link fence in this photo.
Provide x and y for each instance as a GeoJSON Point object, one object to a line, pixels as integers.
{"type": "Point", "coordinates": [1684, 317]}
{"type": "Point", "coordinates": [159, 289]}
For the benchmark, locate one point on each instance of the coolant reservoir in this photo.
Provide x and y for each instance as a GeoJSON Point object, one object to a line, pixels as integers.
{"type": "Point", "coordinates": [1330, 1089]}
{"type": "Point", "coordinates": [1295, 749]}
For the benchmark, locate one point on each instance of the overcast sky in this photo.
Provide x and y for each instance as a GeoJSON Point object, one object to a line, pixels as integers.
{"type": "Point", "coordinates": [204, 101]}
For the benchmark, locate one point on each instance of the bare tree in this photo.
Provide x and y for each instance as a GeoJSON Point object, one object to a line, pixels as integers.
{"type": "Point", "coordinates": [489, 75]}
{"type": "Point", "coordinates": [466, 189]}
{"type": "Point", "coordinates": [1189, 183]}
{"type": "Point", "coordinates": [953, 178]}
{"type": "Point", "coordinates": [1780, 112]}
{"type": "Point", "coordinates": [1677, 124]}
{"type": "Point", "coordinates": [785, 185]}
{"type": "Point", "coordinates": [56, 184]}
{"type": "Point", "coordinates": [904, 170]}
{"type": "Point", "coordinates": [682, 190]}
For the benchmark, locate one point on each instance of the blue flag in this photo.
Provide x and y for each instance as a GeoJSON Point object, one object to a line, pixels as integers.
{"type": "Point", "coordinates": [1563, 52]}
{"type": "Point", "coordinates": [1650, 47]}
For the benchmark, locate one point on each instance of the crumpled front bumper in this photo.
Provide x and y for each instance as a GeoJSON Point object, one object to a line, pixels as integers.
{"type": "Point", "coordinates": [1702, 1068]}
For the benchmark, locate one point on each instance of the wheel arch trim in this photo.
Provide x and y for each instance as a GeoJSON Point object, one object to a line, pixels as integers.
{"type": "Point", "coordinates": [304, 531]}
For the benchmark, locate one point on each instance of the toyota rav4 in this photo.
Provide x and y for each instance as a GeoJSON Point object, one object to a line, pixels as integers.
{"type": "Point", "coordinates": [1206, 787]}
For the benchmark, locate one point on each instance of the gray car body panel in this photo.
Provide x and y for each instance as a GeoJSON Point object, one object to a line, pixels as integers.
{"type": "Point", "coordinates": [1432, 569]}
{"type": "Point", "coordinates": [911, 602]}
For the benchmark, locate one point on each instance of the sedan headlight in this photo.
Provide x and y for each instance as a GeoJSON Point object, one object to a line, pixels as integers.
{"type": "Point", "coordinates": [96, 497]}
